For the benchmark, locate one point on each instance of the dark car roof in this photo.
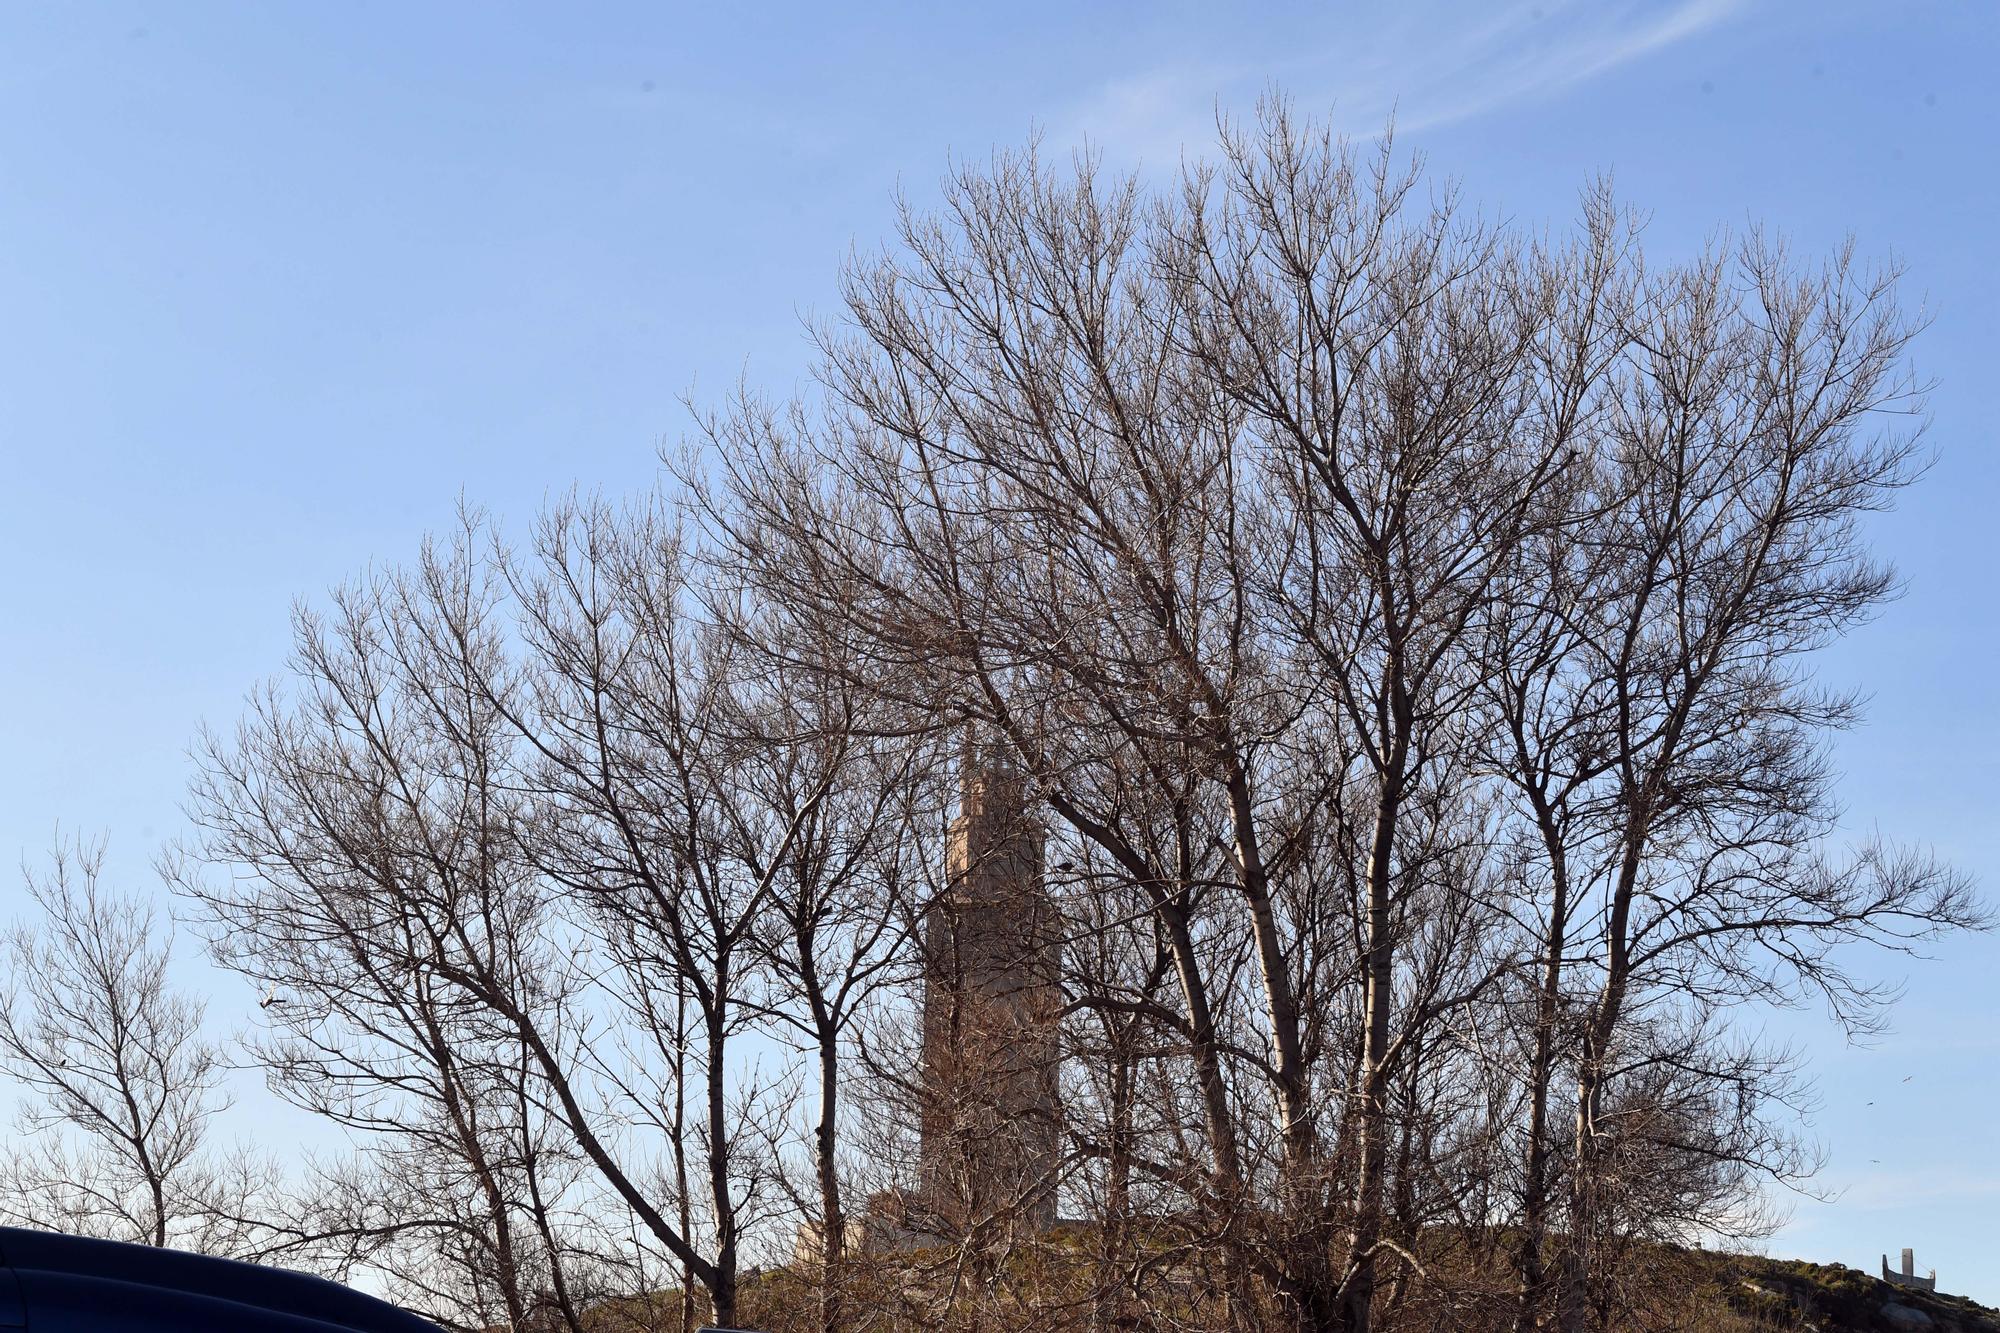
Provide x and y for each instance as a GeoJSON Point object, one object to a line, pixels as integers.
{"type": "Point", "coordinates": [52, 1283]}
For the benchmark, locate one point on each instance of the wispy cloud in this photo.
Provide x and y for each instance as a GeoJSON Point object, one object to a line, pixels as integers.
{"type": "Point", "coordinates": [1426, 67]}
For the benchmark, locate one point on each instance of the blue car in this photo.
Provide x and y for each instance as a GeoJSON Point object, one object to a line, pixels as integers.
{"type": "Point", "coordinates": [52, 1283]}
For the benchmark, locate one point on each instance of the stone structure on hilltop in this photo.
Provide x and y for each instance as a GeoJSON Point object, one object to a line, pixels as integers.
{"type": "Point", "coordinates": [987, 1098]}
{"type": "Point", "coordinates": [992, 955]}
{"type": "Point", "coordinates": [1908, 1277]}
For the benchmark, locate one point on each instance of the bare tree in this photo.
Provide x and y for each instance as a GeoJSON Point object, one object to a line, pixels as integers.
{"type": "Point", "coordinates": [1544, 739]}
{"type": "Point", "coordinates": [513, 844]}
{"type": "Point", "coordinates": [122, 1085]}
{"type": "Point", "coordinates": [387, 900]}
{"type": "Point", "coordinates": [1305, 543]}
{"type": "Point", "coordinates": [860, 784]}
{"type": "Point", "coordinates": [1081, 486]}
{"type": "Point", "coordinates": [1755, 426]}
{"type": "Point", "coordinates": [1394, 634]}
{"type": "Point", "coordinates": [655, 828]}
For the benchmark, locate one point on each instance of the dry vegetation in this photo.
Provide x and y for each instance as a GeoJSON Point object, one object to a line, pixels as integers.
{"type": "Point", "coordinates": [1679, 1291]}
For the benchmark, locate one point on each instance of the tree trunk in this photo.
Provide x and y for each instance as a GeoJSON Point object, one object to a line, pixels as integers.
{"type": "Point", "coordinates": [1530, 1265]}
{"type": "Point", "coordinates": [1372, 1143]}
{"type": "Point", "coordinates": [1590, 1078]}
{"type": "Point", "coordinates": [833, 1219]}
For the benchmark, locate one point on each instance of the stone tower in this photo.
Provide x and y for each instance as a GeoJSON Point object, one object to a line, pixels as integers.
{"type": "Point", "coordinates": [992, 993]}
{"type": "Point", "coordinates": [1908, 1276]}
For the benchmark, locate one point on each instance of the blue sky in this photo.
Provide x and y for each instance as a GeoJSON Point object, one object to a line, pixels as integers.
{"type": "Point", "coordinates": [279, 282]}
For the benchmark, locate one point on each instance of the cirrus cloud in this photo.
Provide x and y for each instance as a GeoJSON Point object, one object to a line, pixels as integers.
{"type": "Point", "coordinates": [1425, 66]}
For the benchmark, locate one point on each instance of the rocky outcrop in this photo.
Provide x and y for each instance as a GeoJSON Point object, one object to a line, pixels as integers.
{"type": "Point", "coordinates": [1832, 1298]}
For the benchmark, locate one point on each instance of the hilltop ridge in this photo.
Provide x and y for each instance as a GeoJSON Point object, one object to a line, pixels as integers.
{"type": "Point", "coordinates": [1833, 1298]}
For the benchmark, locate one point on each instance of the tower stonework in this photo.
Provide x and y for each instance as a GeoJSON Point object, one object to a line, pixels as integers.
{"type": "Point", "coordinates": [992, 995]}
{"type": "Point", "coordinates": [1907, 1277]}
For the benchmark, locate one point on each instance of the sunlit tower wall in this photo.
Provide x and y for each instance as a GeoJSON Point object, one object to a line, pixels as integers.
{"type": "Point", "coordinates": [991, 1137]}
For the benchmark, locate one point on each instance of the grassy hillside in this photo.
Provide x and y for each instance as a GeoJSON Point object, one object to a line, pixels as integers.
{"type": "Point", "coordinates": [1684, 1291]}
{"type": "Point", "coordinates": [1791, 1293]}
